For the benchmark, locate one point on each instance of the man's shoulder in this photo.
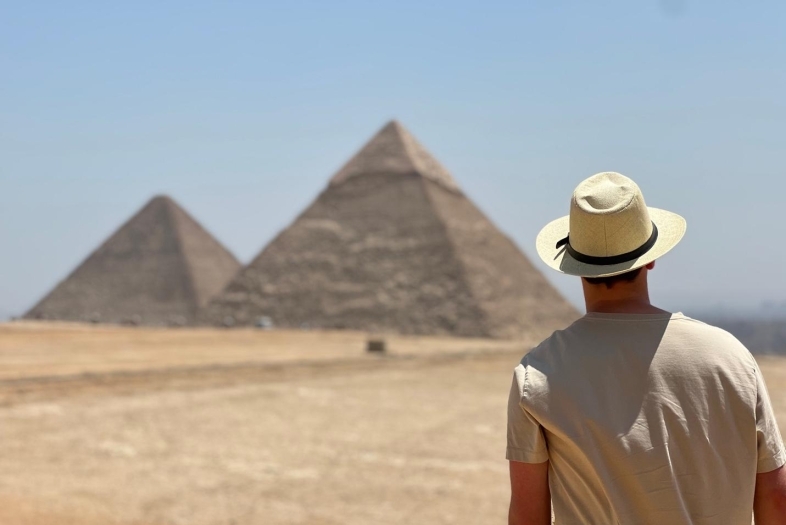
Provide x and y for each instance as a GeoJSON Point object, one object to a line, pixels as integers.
{"type": "Point", "coordinates": [558, 341]}
{"type": "Point", "coordinates": [572, 341]}
{"type": "Point", "coordinates": [688, 327]}
{"type": "Point", "coordinates": [568, 337]}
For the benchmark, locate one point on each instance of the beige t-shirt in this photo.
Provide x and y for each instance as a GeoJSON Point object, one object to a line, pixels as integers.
{"type": "Point", "coordinates": [644, 419]}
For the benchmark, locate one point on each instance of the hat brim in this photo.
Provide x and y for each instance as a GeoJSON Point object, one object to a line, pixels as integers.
{"type": "Point", "coordinates": [671, 229]}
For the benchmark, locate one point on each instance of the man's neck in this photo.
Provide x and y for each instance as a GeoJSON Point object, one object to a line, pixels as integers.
{"type": "Point", "coordinates": [622, 298]}
{"type": "Point", "coordinates": [623, 307]}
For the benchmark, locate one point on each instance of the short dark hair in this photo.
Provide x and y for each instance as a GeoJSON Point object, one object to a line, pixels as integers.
{"type": "Point", "coordinates": [614, 279]}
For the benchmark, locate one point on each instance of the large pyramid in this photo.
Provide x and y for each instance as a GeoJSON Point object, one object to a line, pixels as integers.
{"type": "Point", "coordinates": [392, 244]}
{"type": "Point", "coordinates": [159, 268]}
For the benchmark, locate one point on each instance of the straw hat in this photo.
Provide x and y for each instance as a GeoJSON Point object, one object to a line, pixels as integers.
{"type": "Point", "coordinates": [612, 231]}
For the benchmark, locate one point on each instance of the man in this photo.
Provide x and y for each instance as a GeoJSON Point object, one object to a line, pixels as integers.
{"type": "Point", "coordinates": [634, 415]}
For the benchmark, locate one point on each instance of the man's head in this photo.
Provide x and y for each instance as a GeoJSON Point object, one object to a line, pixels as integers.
{"type": "Point", "coordinates": [623, 293]}
{"type": "Point", "coordinates": [610, 231]}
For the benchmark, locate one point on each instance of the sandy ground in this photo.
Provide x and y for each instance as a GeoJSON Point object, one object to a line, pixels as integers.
{"type": "Point", "coordinates": [41, 350]}
{"type": "Point", "coordinates": [140, 426]}
{"type": "Point", "coordinates": [401, 439]}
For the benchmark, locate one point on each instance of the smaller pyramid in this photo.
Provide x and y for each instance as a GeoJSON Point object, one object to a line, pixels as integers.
{"type": "Point", "coordinates": [159, 268]}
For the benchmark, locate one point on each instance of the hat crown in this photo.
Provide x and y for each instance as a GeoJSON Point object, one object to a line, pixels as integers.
{"type": "Point", "coordinates": [608, 216]}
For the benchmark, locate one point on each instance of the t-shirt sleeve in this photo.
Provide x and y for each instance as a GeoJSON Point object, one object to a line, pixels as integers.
{"type": "Point", "coordinates": [526, 441]}
{"type": "Point", "coordinates": [771, 453]}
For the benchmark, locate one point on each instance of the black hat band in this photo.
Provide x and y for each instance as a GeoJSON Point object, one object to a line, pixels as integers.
{"type": "Point", "coordinates": [614, 259]}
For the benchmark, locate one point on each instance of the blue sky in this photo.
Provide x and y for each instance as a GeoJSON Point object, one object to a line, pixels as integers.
{"type": "Point", "coordinates": [241, 111]}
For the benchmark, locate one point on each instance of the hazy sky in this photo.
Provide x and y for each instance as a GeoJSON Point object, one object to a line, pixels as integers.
{"type": "Point", "coordinates": [241, 111]}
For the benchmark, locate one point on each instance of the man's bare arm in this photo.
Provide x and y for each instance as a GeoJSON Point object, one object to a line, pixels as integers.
{"type": "Point", "coordinates": [530, 500]}
{"type": "Point", "coordinates": [769, 501]}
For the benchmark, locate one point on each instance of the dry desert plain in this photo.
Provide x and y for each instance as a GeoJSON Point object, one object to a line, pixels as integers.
{"type": "Point", "coordinates": [133, 426]}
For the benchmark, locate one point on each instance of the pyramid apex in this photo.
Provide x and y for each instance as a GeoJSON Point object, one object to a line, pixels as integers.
{"type": "Point", "coordinates": [395, 126]}
{"type": "Point", "coordinates": [161, 199]}
{"type": "Point", "coordinates": [393, 123]}
{"type": "Point", "coordinates": [162, 202]}
{"type": "Point", "coordinates": [392, 151]}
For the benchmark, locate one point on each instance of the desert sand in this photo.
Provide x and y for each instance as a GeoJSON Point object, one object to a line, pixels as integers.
{"type": "Point", "coordinates": [138, 426]}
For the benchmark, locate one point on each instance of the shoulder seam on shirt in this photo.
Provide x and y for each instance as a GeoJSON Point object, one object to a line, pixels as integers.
{"type": "Point", "coordinates": [691, 319]}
